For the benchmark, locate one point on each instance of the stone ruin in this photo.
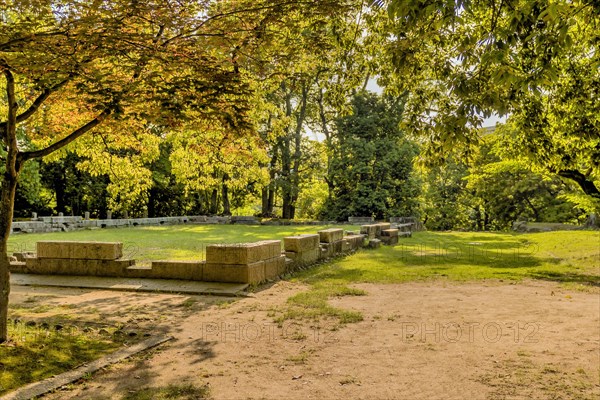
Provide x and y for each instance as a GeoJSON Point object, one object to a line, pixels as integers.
{"type": "Point", "coordinates": [251, 263]}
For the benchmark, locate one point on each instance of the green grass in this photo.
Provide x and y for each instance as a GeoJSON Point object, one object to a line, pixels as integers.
{"type": "Point", "coordinates": [36, 353]}
{"type": "Point", "coordinates": [571, 258]}
{"type": "Point", "coordinates": [557, 256]}
{"type": "Point", "coordinates": [180, 242]}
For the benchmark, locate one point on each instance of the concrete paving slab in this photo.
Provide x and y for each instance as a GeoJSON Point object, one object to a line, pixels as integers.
{"type": "Point", "coordinates": [133, 285]}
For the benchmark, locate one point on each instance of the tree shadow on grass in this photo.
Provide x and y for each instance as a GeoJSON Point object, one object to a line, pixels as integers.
{"type": "Point", "coordinates": [567, 277]}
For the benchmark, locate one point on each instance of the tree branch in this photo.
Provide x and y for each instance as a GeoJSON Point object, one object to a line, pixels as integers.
{"type": "Point", "coordinates": [584, 183]}
{"type": "Point", "coordinates": [27, 155]}
{"type": "Point", "coordinates": [35, 105]}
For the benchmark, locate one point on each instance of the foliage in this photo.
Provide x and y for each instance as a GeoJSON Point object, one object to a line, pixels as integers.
{"type": "Point", "coordinates": [442, 202]}
{"type": "Point", "coordinates": [494, 191]}
{"type": "Point", "coordinates": [537, 61]}
{"type": "Point", "coordinates": [371, 171]}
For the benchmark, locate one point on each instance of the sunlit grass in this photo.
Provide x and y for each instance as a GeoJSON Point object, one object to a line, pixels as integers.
{"type": "Point", "coordinates": [179, 242]}
{"type": "Point", "coordinates": [569, 257]}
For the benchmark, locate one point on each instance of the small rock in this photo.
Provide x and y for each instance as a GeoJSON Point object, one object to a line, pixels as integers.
{"type": "Point", "coordinates": [296, 377]}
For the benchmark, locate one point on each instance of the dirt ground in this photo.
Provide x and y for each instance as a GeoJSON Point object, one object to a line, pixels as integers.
{"type": "Point", "coordinates": [435, 340]}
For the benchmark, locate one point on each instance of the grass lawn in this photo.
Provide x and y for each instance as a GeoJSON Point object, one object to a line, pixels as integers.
{"type": "Point", "coordinates": [569, 257]}
{"type": "Point", "coordinates": [179, 242]}
{"type": "Point", "coordinates": [35, 353]}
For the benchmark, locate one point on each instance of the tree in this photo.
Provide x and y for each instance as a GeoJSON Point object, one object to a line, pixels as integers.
{"type": "Point", "coordinates": [372, 164]}
{"type": "Point", "coordinates": [443, 189]}
{"type": "Point", "coordinates": [105, 64]}
{"type": "Point", "coordinates": [537, 61]}
{"type": "Point", "coordinates": [325, 62]}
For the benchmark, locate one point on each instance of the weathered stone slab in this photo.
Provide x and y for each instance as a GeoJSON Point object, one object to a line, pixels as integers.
{"type": "Point", "coordinates": [390, 232]}
{"type": "Point", "coordinates": [251, 273]}
{"type": "Point", "coordinates": [381, 226]}
{"type": "Point", "coordinates": [301, 243]}
{"type": "Point", "coordinates": [360, 220]}
{"type": "Point", "coordinates": [374, 243]}
{"type": "Point", "coordinates": [389, 240]}
{"type": "Point", "coordinates": [238, 253]}
{"type": "Point", "coordinates": [185, 270]}
{"type": "Point", "coordinates": [304, 258]}
{"type": "Point", "coordinates": [274, 267]}
{"type": "Point", "coordinates": [270, 249]}
{"type": "Point", "coordinates": [80, 250]}
{"type": "Point", "coordinates": [369, 230]}
{"type": "Point", "coordinates": [67, 266]}
{"type": "Point", "coordinates": [331, 235]}
{"type": "Point", "coordinates": [355, 241]}
{"type": "Point", "coordinates": [332, 249]}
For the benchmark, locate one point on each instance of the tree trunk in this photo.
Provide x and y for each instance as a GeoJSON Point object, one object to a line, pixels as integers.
{"type": "Point", "coordinates": [7, 200]}
{"type": "Point", "coordinates": [225, 195]}
{"type": "Point", "coordinates": [214, 205]}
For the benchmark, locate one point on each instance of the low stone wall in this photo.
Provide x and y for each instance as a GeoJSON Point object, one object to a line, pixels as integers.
{"type": "Point", "coordinates": [361, 220]}
{"type": "Point", "coordinates": [251, 263]}
{"type": "Point", "coordinates": [74, 258]}
{"type": "Point", "coordinates": [69, 223]}
{"type": "Point", "coordinates": [63, 224]}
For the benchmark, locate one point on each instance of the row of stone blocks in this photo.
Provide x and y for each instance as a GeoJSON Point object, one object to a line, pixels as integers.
{"type": "Point", "coordinates": [237, 263]}
{"type": "Point", "coordinates": [304, 250]}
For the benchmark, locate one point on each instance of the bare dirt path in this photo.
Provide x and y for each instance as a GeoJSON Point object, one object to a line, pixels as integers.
{"type": "Point", "coordinates": [434, 340]}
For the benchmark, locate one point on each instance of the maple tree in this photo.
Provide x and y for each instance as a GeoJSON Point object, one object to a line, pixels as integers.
{"type": "Point", "coordinates": [73, 67]}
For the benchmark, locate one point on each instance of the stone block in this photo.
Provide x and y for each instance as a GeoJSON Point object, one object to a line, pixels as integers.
{"type": "Point", "coordinates": [80, 250]}
{"type": "Point", "coordinates": [390, 232]}
{"type": "Point", "coordinates": [360, 220]}
{"type": "Point", "coordinates": [355, 241]}
{"type": "Point", "coordinates": [274, 267]}
{"type": "Point", "coordinates": [67, 266]}
{"type": "Point", "coordinates": [21, 256]}
{"type": "Point", "coordinates": [326, 251]}
{"type": "Point", "coordinates": [369, 230]}
{"type": "Point", "coordinates": [253, 273]}
{"type": "Point", "coordinates": [18, 267]}
{"type": "Point", "coordinates": [374, 243]}
{"type": "Point", "coordinates": [137, 271]}
{"type": "Point", "coordinates": [270, 249]}
{"type": "Point", "coordinates": [389, 240]}
{"type": "Point", "coordinates": [331, 235]}
{"type": "Point", "coordinates": [185, 270]}
{"type": "Point", "coordinates": [379, 227]}
{"type": "Point", "coordinates": [301, 243]}
{"type": "Point", "coordinates": [304, 258]}
{"type": "Point", "coordinates": [235, 253]}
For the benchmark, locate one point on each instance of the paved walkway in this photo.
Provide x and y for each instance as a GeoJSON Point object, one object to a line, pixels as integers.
{"type": "Point", "coordinates": [133, 285]}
